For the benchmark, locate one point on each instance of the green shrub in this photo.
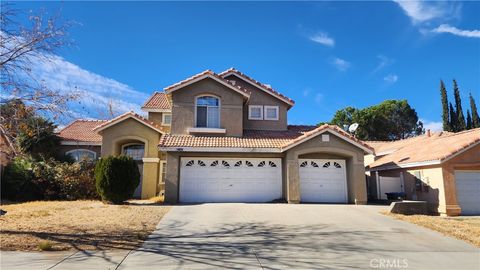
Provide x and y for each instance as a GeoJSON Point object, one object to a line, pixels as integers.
{"type": "Point", "coordinates": [116, 178]}
{"type": "Point", "coordinates": [17, 181]}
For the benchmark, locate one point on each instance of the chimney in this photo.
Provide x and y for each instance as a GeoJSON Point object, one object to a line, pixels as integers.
{"type": "Point", "coordinates": [428, 133]}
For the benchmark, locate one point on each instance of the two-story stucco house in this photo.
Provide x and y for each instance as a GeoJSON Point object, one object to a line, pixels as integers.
{"type": "Point", "coordinates": [225, 138]}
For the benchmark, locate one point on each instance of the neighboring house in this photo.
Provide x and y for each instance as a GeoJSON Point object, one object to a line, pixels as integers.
{"type": "Point", "coordinates": [225, 138]}
{"type": "Point", "coordinates": [441, 168]}
{"type": "Point", "coordinates": [79, 141]}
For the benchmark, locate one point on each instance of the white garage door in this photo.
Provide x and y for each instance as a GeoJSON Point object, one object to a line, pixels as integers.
{"type": "Point", "coordinates": [468, 191]}
{"type": "Point", "coordinates": [323, 180]}
{"type": "Point", "coordinates": [230, 179]}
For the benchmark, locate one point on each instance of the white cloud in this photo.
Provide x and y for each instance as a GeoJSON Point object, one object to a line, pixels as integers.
{"type": "Point", "coordinates": [420, 11]}
{"type": "Point", "coordinates": [391, 78]}
{"type": "Point", "coordinates": [445, 28]}
{"type": "Point", "coordinates": [322, 38]}
{"type": "Point", "coordinates": [383, 61]}
{"type": "Point", "coordinates": [306, 92]}
{"type": "Point", "coordinates": [96, 90]}
{"type": "Point", "coordinates": [432, 125]}
{"type": "Point", "coordinates": [318, 97]}
{"type": "Point", "coordinates": [340, 64]}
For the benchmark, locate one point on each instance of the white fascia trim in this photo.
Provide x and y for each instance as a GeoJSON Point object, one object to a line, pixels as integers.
{"type": "Point", "coordinates": [180, 86]}
{"type": "Point", "coordinates": [220, 149]}
{"type": "Point", "coordinates": [406, 165]}
{"type": "Point", "coordinates": [156, 110]}
{"type": "Point", "coordinates": [334, 133]}
{"type": "Point", "coordinates": [207, 130]}
{"type": "Point", "coordinates": [258, 86]}
{"type": "Point", "coordinates": [80, 143]}
{"type": "Point", "coordinates": [151, 160]}
{"type": "Point", "coordinates": [125, 118]}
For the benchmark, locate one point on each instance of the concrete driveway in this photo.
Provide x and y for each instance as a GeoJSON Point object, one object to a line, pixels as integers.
{"type": "Point", "coordinates": [282, 236]}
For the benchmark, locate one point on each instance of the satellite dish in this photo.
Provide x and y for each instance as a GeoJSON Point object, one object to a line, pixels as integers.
{"type": "Point", "coordinates": [353, 127]}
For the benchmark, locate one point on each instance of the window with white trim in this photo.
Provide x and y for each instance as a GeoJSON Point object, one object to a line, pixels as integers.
{"type": "Point", "coordinates": [271, 112]}
{"type": "Point", "coordinates": [255, 112]}
{"type": "Point", "coordinates": [207, 112]}
{"type": "Point", "coordinates": [81, 155]}
{"type": "Point", "coordinates": [166, 119]}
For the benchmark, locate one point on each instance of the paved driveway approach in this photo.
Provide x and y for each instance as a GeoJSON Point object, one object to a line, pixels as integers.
{"type": "Point", "coordinates": [272, 236]}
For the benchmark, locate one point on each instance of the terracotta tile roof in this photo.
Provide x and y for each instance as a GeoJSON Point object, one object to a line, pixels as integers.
{"type": "Point", "coordinates": [259, 84]}
{"type": "Point", "coordinates": [81, 131]}
{"type": "Point", "coordinates": [126, 116]}
{"type": "Point", "coordinates": [437, 147]}
{"type": "Point", "coordinates": [253, 138]}
{"type": "Point", "coordinates": [208, 73]}
{"type": "Point", "coordinates": [158, 100]}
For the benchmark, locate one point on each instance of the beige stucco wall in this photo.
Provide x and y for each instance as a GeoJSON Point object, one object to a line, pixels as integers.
{"type": "Point", "coordinates": [334, 148]}
{"type": "Point", "coordinates": [183, 110]}
{"type": "Point", "coordinates": [129, 131]}
{"type": "Point", "coordinates": [156, 117]}
{"type": "Point", "coordinates": [259, 97]}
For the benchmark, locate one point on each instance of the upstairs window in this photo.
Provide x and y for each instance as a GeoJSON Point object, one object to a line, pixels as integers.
{"type": "Point", "coordinates": [271, 112]}
{"type": "Point", "coordinates": [255, 112]}
{"type": "Point", "coordinates": [166, 119]}
{"type": "Point", "coordinates": [208, 112]}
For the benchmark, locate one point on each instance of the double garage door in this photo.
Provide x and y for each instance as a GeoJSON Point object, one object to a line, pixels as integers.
{"type": "Point", "coordinates": [259, 180]}
{"type": "Point", "coordinates": [468, 191]}
{"type": "Point", "coordinates": [230, 179]}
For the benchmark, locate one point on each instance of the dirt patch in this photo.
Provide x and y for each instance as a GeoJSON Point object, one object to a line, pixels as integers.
{"type": "Point", "coordinates": [463, 228]}
{"type": "Point", "coordinates": [82, 225]}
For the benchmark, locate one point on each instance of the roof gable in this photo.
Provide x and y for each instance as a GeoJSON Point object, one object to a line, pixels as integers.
{"type": "Point", "coordinates": [158, 102]}
{"type": "Point", "coordinates": [126, 116]}
{"type": "Point", "coordinates": [266, 88]}
{"type": "Point", "coordinates": [335, 130]}
{"type": "Point", "coordinates": [203, 75]}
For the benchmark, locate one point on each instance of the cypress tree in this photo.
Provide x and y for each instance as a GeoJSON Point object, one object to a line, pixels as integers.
{"type": "Point", "coordinates": [453, 119]}
{"type": "Point", "coordinates": [458, 106]}
{"type": "Point", "coordinates": [475, 118]}
{"type": "Point", "coordinates": [469, 120]}
{"type": "Point", "coordinates": [445, 114]}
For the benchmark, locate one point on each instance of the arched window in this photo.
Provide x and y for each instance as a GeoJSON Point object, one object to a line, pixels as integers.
{"type": "Point", "coordinates": [207, 112]}
{"type": "Point", "coordinates": [81, 154]}
{"type": "Point", "coordinates": [133, 150]}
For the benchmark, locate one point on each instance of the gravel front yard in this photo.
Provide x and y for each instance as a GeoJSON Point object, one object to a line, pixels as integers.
{"type": "Point", "coordinates": [463, 228]}
{"type": "Point", "coordinates": [82, 225]}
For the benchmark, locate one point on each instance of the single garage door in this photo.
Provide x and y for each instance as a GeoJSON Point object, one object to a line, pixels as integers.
{"type": "Point", "coordinates": [230, 179]}
{"type": "Point", "coordinates": [468, 191]}
{"type": "Point", "coordinates": [323, 180]}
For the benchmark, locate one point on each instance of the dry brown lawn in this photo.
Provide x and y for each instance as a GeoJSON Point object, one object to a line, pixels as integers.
{"type": "Point", "coordinates": [463, 228]}
{"type": "Point", "coordinates": [83, 225]}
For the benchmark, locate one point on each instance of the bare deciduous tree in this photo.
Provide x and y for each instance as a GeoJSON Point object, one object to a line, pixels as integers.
{"type": "Point", "coordinates": [22, 46]}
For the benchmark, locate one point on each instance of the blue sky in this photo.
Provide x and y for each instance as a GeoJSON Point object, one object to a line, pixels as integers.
{"type": "Point", "coordinates": [324, 55]}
